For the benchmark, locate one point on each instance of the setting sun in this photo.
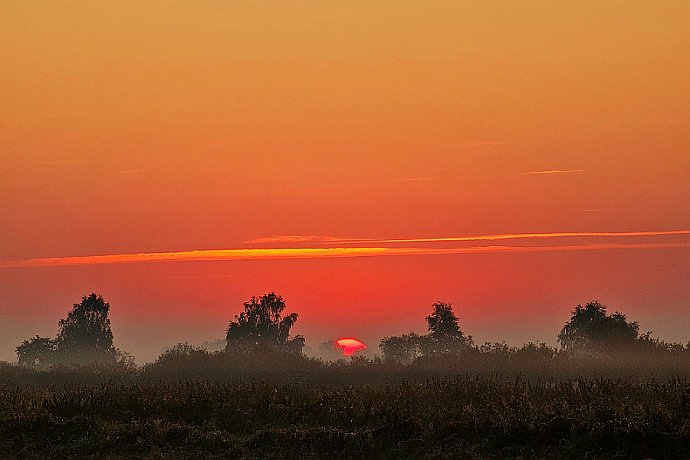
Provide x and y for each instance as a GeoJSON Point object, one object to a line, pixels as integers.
{"type": "Point", "coordinates": [470, 187]}
{"type": "Point", "coordinates": [350, 346]}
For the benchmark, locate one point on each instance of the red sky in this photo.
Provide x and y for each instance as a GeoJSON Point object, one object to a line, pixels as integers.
{"type": "Point", "coordinates": [134, 135]}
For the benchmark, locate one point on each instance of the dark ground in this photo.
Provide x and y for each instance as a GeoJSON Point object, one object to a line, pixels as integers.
{"type": "Point", "coordinates": [331, 411]}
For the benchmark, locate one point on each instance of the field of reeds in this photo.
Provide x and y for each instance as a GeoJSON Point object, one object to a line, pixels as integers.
{"type": "Point", "coordinates": [215, 405]}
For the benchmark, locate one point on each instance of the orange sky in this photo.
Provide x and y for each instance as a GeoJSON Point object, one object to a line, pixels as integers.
{"type": "Point", "coordinates": [399, 128]}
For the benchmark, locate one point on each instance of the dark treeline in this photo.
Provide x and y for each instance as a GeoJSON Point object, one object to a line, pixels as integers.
{"type": "Point", "coordinates": [590, 331]}
{"type": "Point", "coordinates": [259, 346]}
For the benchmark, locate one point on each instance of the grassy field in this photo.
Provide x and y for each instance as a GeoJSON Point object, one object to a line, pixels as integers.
{"type": "Point", "coordinates": [362, 409]}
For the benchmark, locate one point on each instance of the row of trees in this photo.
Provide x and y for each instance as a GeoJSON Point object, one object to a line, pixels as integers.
{"type": "Point", "coordinates": [590, 330]}
{"type": "Point", "coordinates": [85, 335]}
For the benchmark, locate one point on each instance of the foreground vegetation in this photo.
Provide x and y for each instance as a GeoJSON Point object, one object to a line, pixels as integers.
{"type": "Point", "coordinates": [463, 417]}
{"type": "Point", "coordinates": [192, 403]}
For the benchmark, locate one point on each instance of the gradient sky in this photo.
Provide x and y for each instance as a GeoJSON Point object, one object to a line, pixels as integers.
{"type": "Point", "coordinates": [511, 158]}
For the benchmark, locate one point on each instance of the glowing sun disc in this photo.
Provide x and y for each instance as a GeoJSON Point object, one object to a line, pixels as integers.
{"type": "Point", "coordinates": [350, 346]}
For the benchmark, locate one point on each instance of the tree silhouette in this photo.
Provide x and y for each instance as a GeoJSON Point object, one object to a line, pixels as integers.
{"type": "Point", "coordinates": [261, 327]}
{"type": "Point", "coordinates": [85, 335]}
{"type": "Point", "coordinates": [591, 329]}
{"type": "Point", "coordinates": [444, 332]}
{"type": "Point", "coordinates": [37, 352]}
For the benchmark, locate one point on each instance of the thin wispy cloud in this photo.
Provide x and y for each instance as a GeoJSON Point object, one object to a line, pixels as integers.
{"type": "Point", "coordinates": [59, 162]}
{"type": "Point", "coordinates": [314, 253]}
{"type": "Point", "coordinates": [201, 276]}
{"type": "Point", "coordinates": [550, 172]}
{"type": "Point", "coordinates": [495, 143]}
{"type": "Point", "coordinates": [295, 239]}
{"type": "Point", "coordinates": [496, 237]}
{"type": "Point", "coordinates": [200, 255]}
{"type": "Point", "coordinates": [130, 171]}
{"type": "Point", "coordinates": [414, 179]}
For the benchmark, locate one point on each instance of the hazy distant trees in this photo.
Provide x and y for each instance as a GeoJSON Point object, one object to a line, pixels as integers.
{"type": "Point", "coordinates": [214, 345]}
{"type": "Point", "coordinates": [591, 329]}
{"type": "Point", "coordinates": [84, 337]}
{"type": "Point", "coordinates": [444, 337]}
{"type": "Point", "coordinates": [329, 351]}
{"type": "Point", "coordinates": [261, 327]}
{"type": "Point", "coordinates": [402, 349]}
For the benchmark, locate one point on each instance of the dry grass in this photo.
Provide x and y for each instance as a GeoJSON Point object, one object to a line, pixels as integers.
{"type": "Point", "coordinates": [220, 406]}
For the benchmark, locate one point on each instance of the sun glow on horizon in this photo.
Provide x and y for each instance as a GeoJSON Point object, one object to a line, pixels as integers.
{"type": "Point", "coordinates": [350, 346]}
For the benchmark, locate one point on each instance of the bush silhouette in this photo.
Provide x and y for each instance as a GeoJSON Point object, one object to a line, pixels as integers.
{"type": "Point", "coordinates": [36, 352]}
{"type": "Point", "coordinates": [445, 337]}
{"type": "Point", "coordinates": [591, 329]}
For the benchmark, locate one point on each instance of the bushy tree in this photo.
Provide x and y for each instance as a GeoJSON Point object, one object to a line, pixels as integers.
{"type": "Point", "coordinates": [180, 352]}
{"type": "Point", "coordinates": [84, 337]}
{"type": "Point", "coordinates": [444, 331]}
{"type": "Point", "coordinates": [36, 352]}
{"type": "Point", "coordinates": [591, 329]}
{"type": "Point", "coordinates": [402, 349]}
{"type": "Point", "coordinates": [261, 327]}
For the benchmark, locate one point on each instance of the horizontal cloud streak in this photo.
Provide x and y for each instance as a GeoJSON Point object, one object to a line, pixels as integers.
{"type": "Point", "coordinates": [130, 171]}
{"type": "Point", "coordinates": [295, 239]}
{"type": "Point", "coordinates": [58, 162]}
{"type": "Point", "coordinates": [493, 143]}
{"type": "Point", "coordinates": [313, 253]}
{"type": "Point", "coordinates": [497, 237]}
{"type": "Point", "coordinates": [414, 179]}
{"type": "Point", "coordinates": [201, 255]}
{"type": "Point", "coordinates": [549, 172]}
